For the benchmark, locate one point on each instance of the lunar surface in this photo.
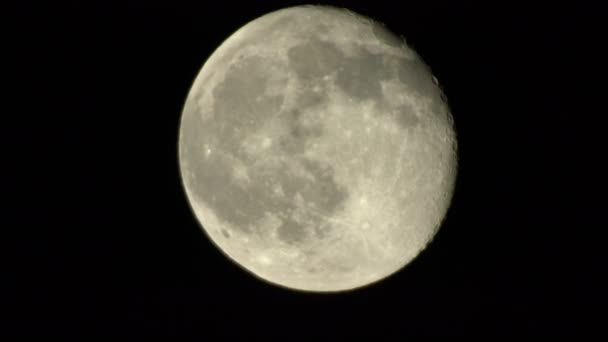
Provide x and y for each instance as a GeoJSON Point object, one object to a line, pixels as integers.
{"type": "Point", "coordinates": [317, 150]}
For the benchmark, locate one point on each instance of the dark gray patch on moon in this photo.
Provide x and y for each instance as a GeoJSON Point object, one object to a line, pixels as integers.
{"type": "Point", "coordinates": [307, 97]}
{"type": "Point", "coordinates": [291, 232]}
{"type": "Point", "coordinates": [416, 76]}
{"type": "Point", "coordinates": [290, 144]}
{"type": "Point", "coordinates": [405, 117]}
{"type": "Point", "coordinates": [322, 28]}
{"type": "Point", "coordinates": [240, 102]}
{"type": "Point", "coordinates": [304, 128]}
{"type": "Point", "coordinates": [324, 195]}
{"type": "Point", "coordinates": [314, 59]}
{"type": "Point", "coordinates": [298, 129]}
{"type": "Point", "coordinates": [360, 76]}
{"type": "Point", "coordinates": [357, 76]}
{"type": "Point", "coordinates": [321, 197]}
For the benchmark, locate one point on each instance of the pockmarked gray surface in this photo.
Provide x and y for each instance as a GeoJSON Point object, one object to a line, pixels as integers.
{"type": "Point", "coordinates": [317, 150]}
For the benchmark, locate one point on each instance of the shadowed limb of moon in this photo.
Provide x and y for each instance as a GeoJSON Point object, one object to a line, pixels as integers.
{"type": "Point", "coordinates": [316, 149]}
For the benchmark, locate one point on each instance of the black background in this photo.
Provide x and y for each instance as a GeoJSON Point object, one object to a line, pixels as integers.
{"type": "Point", "coordinates": [102, 240]}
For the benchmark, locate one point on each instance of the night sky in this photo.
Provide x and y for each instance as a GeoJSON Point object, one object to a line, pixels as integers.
{"type": "Point", "coordinates": [102, 241]}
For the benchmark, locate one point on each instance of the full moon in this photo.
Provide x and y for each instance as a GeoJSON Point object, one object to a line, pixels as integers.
{"type": "Point", "coordinates": [317, 150]}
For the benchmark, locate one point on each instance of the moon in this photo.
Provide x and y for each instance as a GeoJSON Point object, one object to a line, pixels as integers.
{"type": "Point", "coordinates": [317, 150]}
